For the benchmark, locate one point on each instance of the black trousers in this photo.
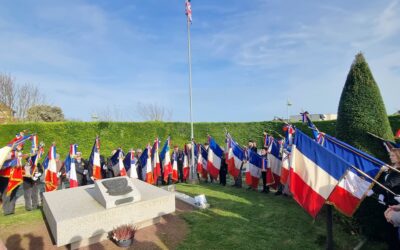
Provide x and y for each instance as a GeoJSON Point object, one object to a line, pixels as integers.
{"type": "Point", "coordinates": [31, 194]}
{"type": "Point", "coordinates": [264, 180]}
{"type": "Point", "coordinates": [222, 177]}
{"type": "Point", "coordinates": [180, 171]}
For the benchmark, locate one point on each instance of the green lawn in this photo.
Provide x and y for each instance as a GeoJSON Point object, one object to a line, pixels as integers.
{"type": "Point", "coordinates": [20, 218]}
{"type": "Point", "coordinates": [241, 219]}
{"type": "Point", "coordinates": [245, 219]}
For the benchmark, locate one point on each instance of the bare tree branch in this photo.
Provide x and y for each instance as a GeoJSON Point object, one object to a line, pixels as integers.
{"type": "Point", "coordinates": [20, 98]}
{"type": "Point", "coordinates": [153, 112]}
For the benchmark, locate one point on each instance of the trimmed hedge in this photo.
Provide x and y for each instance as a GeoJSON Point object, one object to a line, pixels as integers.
{"type": "Point", "coordinates": [138, 134]}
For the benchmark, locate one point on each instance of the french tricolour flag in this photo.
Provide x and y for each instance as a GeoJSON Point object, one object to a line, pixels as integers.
{"type": "Point", "coordinates": [314, 174]}
{"type": "Point", "coordinates": [51, 179]}
{"type": "Point", "coordinates": [285, 169]}
{"type": "Point", "coordinates": [122, 170]}
{"type": "Point", "coordinates": [353, 187]}
{"type": "Point", "coordinates": [253, 170]}
{"type": "Point", "coordinates": [130, 164]}
{"type": "Point", "coordinates": [156, 166]}
{"type": "Point", "coordinates": [186, 168]}
{"type": "Point", "coordinates": [275, 161]}
{"type": "Point", "coordinates": [148, 166]}
{"type": "Point", "coordinates": [175, 166]}
{"type": "Point", "coordinates": [214, 158]}
{"type": "Point", "coordinates": [16, 177]}
{"type": "Point", "coordinates": [235, 157]}
{"type": "Point", "coordinates": [166, 159]}
{"type": "Point", "coordinates": [70, 166]}
{"type": "Point", "coordinates": [95, 159]}
{"type": "Point", "coordinates": [202, 160]}
{"type": "Point", "coordinates": [5, 151]}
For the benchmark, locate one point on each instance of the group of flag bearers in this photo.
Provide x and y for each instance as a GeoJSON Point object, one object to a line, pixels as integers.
{"type": "Point", "coordinates": [315, 171]}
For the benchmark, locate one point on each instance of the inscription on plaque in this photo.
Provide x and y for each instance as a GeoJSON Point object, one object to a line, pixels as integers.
{"type": "Point", "coordinates": [122, 201]}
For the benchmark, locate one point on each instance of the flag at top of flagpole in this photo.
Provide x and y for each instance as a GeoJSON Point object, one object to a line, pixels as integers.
{"type": "Point", "coordinates": [188, 10]}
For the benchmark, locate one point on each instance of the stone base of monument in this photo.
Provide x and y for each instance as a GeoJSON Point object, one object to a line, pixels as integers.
{"type": "Point", "coordinates": [75, 217]}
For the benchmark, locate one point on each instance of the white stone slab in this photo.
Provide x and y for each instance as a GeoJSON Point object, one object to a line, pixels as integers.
{"type": "Point", "coordinates": [101, 194]}
{"type": "Point", "coordinates": [73, 215]}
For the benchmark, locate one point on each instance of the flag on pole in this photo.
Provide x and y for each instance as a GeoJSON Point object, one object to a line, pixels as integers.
{"type": "Point", "coordinates": [175, 176]}
{"type": "Point", "coordinates": [70, 166]}
{"type": "Point", "coordinates": [306, 119]}
{"type": "Point", "coordinates": [156, 166]}
{"type": "Point", "coordinates": [285, 169]}
{"type": "Point", "coordinates": [118, 159]}
{"type": "Point", "coordinates": [188, 10]}
{"type": "Point", "coordinates": [353, 187]}
{"type": "Point", "coordinates": [166, 159]}
{"type": "Point", "coordinates": [314, 174]}
{"type": "Point", "coordinates": [149, 167]}
{"type": "Point", "coordinates": [35, 144]}
{"type": "Point", "coordinates": [254, 165]}
{"type": "Point", "coordinates": [235, 157]}
{"type": "Point", "coordinates": [214, 158]}
{"type": "Point", "coordinates": [275, 162]}
{"type": "Point", "coordinates": [6, 153]}
{"type": "Point", "coordinates": [122, 170]}
{"type": "Point", "coordinates": [95, 159]}
{"type": "Point", "coordinates": [51, 179]}
{"type": "Point", "coordinates": [130, 164]}
{"type": "Point", "coordinates": [185, 166]}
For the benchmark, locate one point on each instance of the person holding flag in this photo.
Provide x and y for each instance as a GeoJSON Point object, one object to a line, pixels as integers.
{"type": "Point", "coordinates": [14, 173]}
{"type": "Point", "coordinates": [33, 172]}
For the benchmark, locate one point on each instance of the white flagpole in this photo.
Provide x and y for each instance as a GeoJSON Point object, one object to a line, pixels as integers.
{"type": "Point", "coordinates": [192, 169]}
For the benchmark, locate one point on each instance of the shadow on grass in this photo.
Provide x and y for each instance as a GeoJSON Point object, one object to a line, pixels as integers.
{"type": "Point", "coordinates": [241, 218]}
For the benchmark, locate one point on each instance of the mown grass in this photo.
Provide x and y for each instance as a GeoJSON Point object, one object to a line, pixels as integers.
{"type": "Point", "coordinates": [21, 217]}
{"type": "Point", "coordinates": [244, 219]}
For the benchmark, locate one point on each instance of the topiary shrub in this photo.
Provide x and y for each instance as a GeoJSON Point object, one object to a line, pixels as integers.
{"type": "Point", "coordinates": [361, 110]}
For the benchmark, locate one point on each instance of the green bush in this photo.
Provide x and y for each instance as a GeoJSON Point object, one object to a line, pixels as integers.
{"type": "Point", "coordinates": [361, 110]}
{"type": "Point", "coordinates": [138, 134]}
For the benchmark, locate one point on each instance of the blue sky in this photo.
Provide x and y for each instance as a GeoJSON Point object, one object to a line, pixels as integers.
{"type": "Point", "coordinates": [248, 56]}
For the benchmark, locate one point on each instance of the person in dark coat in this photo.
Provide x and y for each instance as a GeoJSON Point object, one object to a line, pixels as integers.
{"type": "Point", "coordinates": [139, 164]}
{"type": "Point", "coordinates": [82, 171]}
{"type": "Point", "coordinates": [223, 170]}
{"type": "Point", "coordinates": [31, 184]}
{"type": "Point", "coordinates": [391, 180]}
{"type": "Point", "coordinates": [179, 159]}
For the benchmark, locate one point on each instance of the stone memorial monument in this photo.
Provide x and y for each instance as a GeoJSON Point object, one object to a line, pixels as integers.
{"type": "Point", "coordinates": [84, 215]}
{"type": "Point", "coordinates": [115, 191]}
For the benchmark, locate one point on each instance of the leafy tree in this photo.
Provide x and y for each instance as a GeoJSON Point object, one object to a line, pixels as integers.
{"type": "Point", "coordinates": [361, 110]}
{"type": "Point", "coordinates": [45, 113]}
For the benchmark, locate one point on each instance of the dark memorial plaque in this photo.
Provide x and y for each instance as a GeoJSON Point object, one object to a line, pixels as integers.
{"type": "Point", "coordinates": [125, 200]}
{"type": "Point", "coordinates": [117, 191]}
{"type": "Point", "coordinates": [116, 187]}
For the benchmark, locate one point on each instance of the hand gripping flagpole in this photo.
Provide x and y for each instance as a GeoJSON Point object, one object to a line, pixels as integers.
{"type": "Point", "coordinates": [192, 169]}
